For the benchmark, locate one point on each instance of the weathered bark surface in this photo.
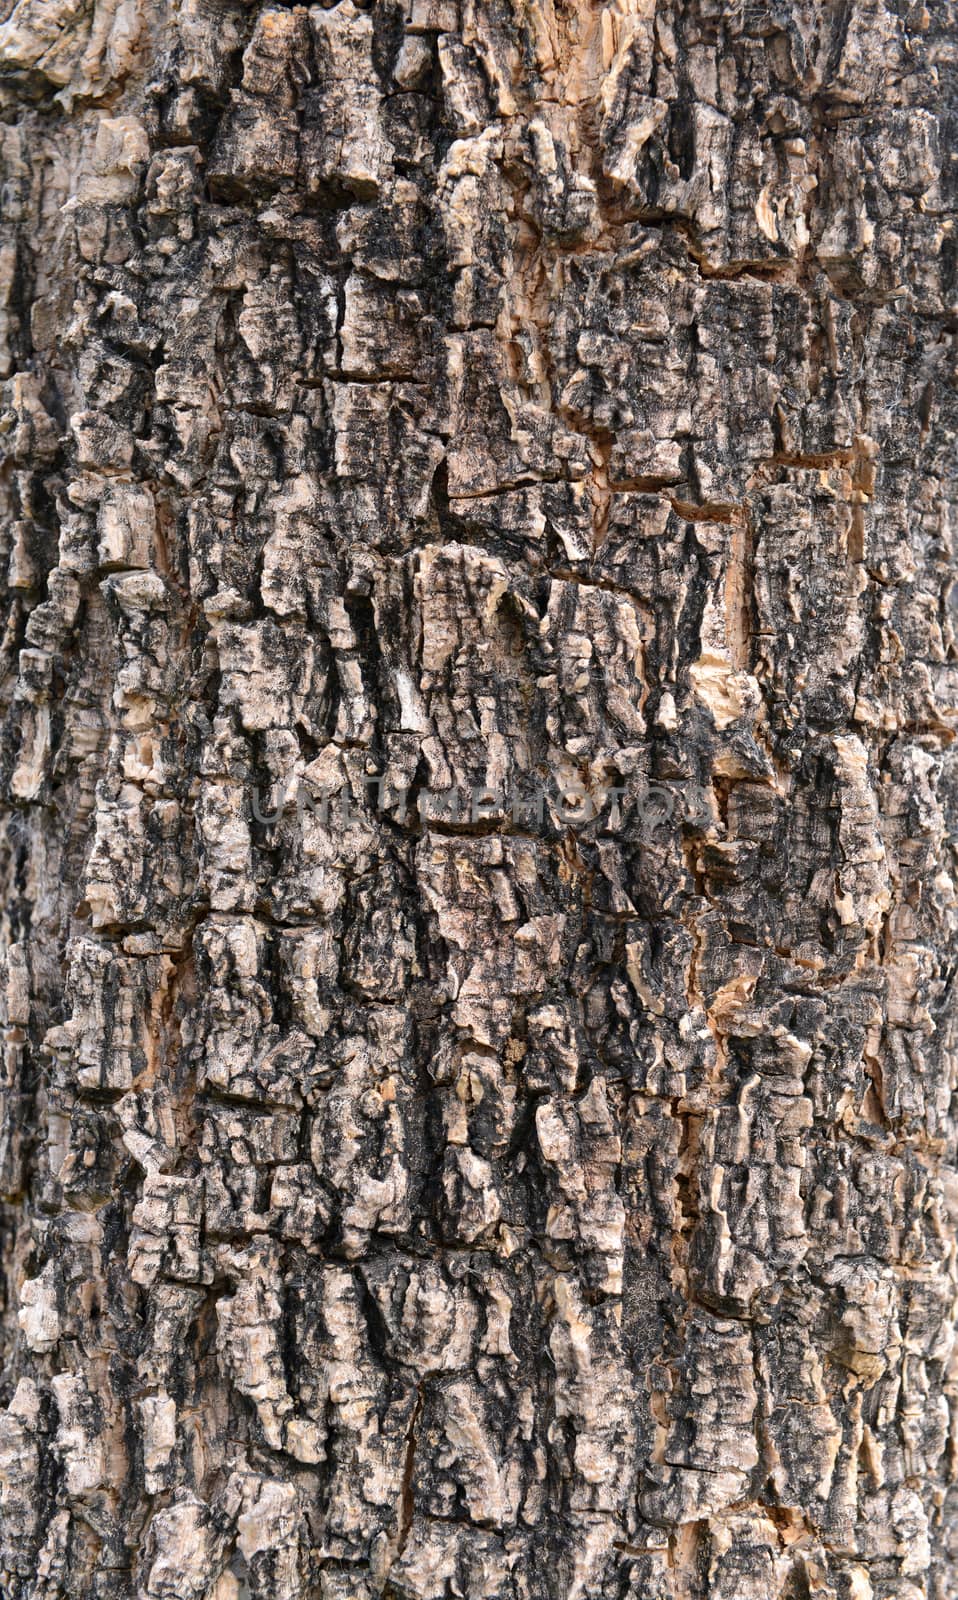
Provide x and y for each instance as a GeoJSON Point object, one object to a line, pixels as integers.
{"type": "Point", "coordinates": [522, 1205]}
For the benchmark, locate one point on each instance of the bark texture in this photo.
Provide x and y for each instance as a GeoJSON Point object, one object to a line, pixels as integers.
{"type": "Point", "coordinates": [513, 1200]}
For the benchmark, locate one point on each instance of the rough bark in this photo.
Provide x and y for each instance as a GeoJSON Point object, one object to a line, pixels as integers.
{"type": "Point", "coordinates": [530, 1175]}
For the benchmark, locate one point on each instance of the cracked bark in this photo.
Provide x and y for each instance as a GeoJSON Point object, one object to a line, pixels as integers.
{"type": "Point", "coordinates": [478, 399]}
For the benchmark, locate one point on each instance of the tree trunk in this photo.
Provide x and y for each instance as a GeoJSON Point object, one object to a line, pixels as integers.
{"type": "Point", "coordinates": [480, 689]}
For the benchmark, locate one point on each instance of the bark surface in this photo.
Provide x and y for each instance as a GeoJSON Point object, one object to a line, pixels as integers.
{"type": "Point", "coordinates": [529, 1174]}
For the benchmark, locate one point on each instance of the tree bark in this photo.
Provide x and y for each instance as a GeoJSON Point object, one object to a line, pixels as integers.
{"type": "Point", "coordinates": [480, 687]}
